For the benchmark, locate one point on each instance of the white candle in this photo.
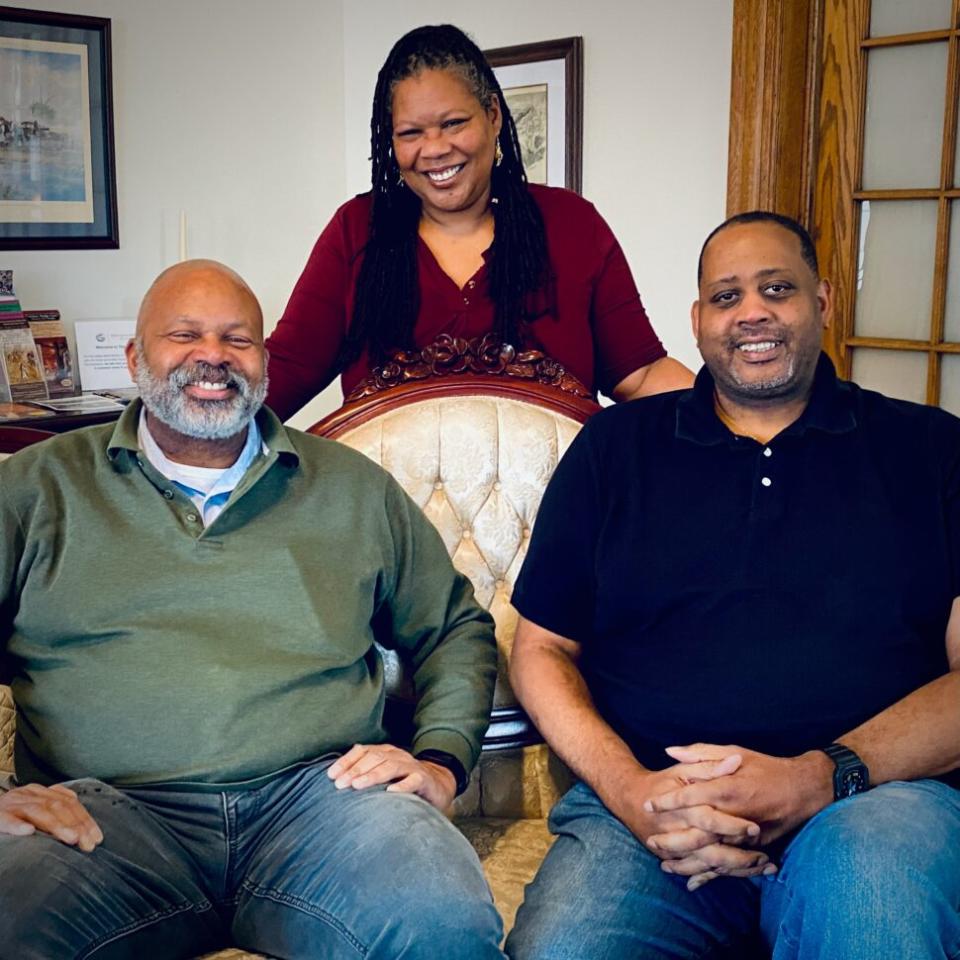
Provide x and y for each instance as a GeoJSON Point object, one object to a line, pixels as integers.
{"type": "Point", "coordinates": [183, 236]}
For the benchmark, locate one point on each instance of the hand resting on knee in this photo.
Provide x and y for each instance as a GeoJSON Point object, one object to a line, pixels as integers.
{"type": "Point", "coordinates": [368, 765]}
{"type": "Point", "coordinates": [55, 811]}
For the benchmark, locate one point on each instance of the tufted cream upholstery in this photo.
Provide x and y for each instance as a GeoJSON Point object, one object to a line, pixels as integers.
{"type": "Point", "coordinates": [477, 463]}
{"type": "Point", "coordinates": [477, 466]}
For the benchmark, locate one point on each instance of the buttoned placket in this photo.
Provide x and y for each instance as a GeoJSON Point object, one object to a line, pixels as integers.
{"type": "Point", "coordinates": [767, 501]}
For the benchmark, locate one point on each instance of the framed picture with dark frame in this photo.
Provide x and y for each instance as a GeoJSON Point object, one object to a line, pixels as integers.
{"type": "Point", "coordinates": [543, 86]}
{"type": "Point", "coordinates": [58, 185]}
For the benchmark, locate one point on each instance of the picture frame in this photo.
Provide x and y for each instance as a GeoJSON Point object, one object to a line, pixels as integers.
{"type": "Point", "coordinates": [58, 185]}
{"type": "Point", "coordinates": [543, 84]}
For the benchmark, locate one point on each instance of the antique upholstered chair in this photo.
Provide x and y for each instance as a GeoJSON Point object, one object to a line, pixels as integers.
{"type": "Point", "coordinates": [473, 434]}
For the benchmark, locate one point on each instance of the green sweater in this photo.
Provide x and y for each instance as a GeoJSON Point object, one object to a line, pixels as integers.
{"type": "Point", "coordinates": [142, 648]}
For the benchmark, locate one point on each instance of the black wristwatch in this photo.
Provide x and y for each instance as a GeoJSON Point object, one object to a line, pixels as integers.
{"type": "Point", "coordinates": [851, 775]}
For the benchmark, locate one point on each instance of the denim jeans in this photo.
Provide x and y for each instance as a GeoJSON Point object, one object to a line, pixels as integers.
{"type": "Point", "coordinates": [874, 877]}
{"type": "Point", "coordinates": [294, 868]}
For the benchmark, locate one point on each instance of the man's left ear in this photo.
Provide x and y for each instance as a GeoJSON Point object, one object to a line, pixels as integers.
{"type": "Point", "coordinates": [130, 350]}
{"type": "Point", "coordinates": [825, 300]}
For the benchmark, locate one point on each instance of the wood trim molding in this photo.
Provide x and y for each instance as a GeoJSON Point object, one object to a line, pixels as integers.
{"type": "Point", "coordinates": [774, 97]}
{"type": "Point", "coordinates": [836, 220]}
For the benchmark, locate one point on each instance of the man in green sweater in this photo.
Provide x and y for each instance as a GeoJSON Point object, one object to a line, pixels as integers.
{"type": "Point", "coordinates": [189, 604]}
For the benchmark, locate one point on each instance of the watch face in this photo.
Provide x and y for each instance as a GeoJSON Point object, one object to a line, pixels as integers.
{"type": "Point", "coordinates": [852, 783]}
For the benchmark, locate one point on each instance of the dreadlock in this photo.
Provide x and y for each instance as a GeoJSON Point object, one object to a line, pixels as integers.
{"type": "Point", "coordinates": [387, 299]}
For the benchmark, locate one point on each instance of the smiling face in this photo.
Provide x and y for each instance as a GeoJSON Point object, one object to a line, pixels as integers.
{"type": "Point", "coordinates": [444, 141]}
{"type": "Point", "coordinates": [761, 314]}
{"type": "Point", "coordinates": [198, 356]}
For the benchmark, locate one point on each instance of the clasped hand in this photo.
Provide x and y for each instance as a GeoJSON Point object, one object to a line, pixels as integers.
{"type": "Point", "coordinates": [706, 812]}
{"type": "Point", "coordinates": [367, 765]}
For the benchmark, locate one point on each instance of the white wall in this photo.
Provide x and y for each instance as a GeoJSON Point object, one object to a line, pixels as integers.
{"type": "Point", "coordinates": [253, 118]}
{"type": "Point", "coordinates": [656, 110]}
{"type": "Point", "coordinates": [231, 112]}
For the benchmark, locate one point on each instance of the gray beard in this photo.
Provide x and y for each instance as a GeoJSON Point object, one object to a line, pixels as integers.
{"type": "Point", "coordinates": [201, 419]}
{"type": "Point", "coordinates": [766, 388]}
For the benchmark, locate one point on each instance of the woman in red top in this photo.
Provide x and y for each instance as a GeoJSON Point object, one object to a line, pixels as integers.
{"type": "Point", "coordinates": [452, 239]}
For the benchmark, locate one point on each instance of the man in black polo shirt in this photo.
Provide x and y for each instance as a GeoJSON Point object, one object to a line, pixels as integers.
{"type": "Point", "coordinates": [770, 560]}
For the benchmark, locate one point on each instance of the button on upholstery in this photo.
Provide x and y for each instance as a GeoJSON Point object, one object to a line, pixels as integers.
{"type": "Point", "coordinates": [467, 534]}
{"type": "Point", "coordinates": [498, 485]}
{"type": "Point", "coordinates": [438, 485]}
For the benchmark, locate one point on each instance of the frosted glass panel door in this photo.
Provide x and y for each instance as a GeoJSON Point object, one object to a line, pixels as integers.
{"type": "Point", "coordinates": [908, 16]}
{"type": "Point", "coordinates": [951, 330]}
{"type": "Point", "coordinates": [900, 328]}
{"type": "Point", "coordinates": [904, 123]}
{"type": "Point", "coordinates": [895, 289]}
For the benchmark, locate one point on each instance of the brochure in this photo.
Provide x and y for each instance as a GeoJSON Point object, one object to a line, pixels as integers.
{"type": "Point", "coordinates": [21, 360]}
{"type": "Point", "coordinates": [51, 340]}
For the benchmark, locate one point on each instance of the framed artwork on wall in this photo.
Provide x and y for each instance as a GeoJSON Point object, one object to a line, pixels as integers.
{"type": "Point", "coordinates": [543, 86]}
{"type": "Point", "coordinates": [58, 187]}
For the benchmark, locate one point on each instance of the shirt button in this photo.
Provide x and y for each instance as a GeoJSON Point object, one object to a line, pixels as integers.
{"type": "Point", "coordinates": [766, 481]}
{"type": "Point", "coordinates": [466, 300]}
{"type": "Point", "coordinates": [168, 494]}
{"type": "Point", "coordinates": [192, 517]}
{"type": "Point", "coordinates": [767, 452]}
{"type": "Point", "coordinates": [471, 283]}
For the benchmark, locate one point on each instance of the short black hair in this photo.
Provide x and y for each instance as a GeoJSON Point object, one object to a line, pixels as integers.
{"type": "Point", "coordinates": [807, 250]}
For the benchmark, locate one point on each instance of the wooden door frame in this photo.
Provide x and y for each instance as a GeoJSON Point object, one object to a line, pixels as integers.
{"type": "Point", "coordinates": [774, 93]}
{"type": "Point", "coordinates": [776, 128]}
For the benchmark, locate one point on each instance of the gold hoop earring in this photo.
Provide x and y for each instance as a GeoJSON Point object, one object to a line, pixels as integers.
{"type": "Point", "coordinates": [497, 153]}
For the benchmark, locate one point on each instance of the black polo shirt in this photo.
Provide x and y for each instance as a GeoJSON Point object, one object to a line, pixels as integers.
{"type": "Point", "coordinates": [773, 596]}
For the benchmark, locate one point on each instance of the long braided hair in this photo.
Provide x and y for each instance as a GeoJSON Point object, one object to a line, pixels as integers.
{"type": "Point", "coordinates": [387, 299]}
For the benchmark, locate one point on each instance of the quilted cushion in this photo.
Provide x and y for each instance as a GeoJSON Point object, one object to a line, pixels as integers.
{"type": "Point", "coordinates": [477, 466]}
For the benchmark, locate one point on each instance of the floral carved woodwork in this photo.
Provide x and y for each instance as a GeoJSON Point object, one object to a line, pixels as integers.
{"type": "Point", "coordinates": [449, 356]}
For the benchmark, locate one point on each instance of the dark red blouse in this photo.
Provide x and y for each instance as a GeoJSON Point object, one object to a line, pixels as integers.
{"type": "Point", "coordinates": [599, 331]}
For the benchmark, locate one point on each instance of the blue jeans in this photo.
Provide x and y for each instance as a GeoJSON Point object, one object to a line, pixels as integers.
{"type": "Point", "coordinates": [294, 868]}
{"type": "Point", "coordinates": [875, 877]}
